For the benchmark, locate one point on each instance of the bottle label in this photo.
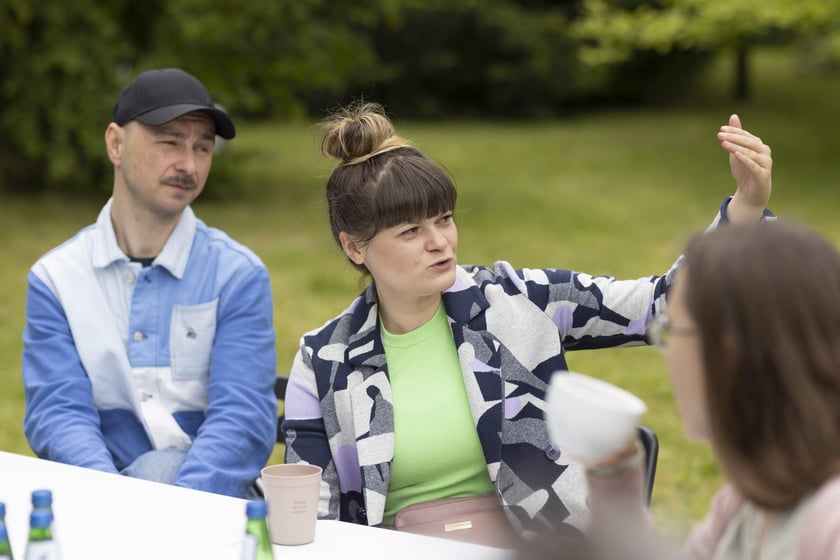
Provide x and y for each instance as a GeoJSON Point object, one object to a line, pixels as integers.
{"type": "Point", "coordinates": [42, 550]}
{"type": "Point", "coordinates": [249, 547]}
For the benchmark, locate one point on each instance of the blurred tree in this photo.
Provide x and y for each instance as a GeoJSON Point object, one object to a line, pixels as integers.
{"type": "Point", "coordinates": [61, 64]}
{"type": "Point", "coordinates": [476, 57]}
{"type": "Point", "coordinates": [613, 30]}
{"type": "Point", "coordinates": [57, 83]}
{"type": "Point", "coordinates": [264, 59]}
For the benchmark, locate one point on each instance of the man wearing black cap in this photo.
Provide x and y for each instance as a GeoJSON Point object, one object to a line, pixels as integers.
{"type": "Point", "coordinates": [149, 342]}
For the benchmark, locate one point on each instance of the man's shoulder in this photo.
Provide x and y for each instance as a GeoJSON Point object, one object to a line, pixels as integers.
{"type": "Point", "coordinates": [218, 241]}
{"type": "Point", "coordinates": [71, 249]}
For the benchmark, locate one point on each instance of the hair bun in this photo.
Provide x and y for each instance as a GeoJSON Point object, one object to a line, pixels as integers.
{"type": "Point", "coordinates": [359, 132]}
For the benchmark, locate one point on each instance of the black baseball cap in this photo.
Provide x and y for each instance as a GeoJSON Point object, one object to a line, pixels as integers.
{"type": "Point", "coordinates": [156, 97]}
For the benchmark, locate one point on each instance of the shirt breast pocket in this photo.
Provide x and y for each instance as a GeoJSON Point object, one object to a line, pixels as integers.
{"type": "Point", "coordinates": [191, 337]}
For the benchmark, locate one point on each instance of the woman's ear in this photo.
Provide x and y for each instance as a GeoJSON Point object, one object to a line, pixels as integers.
{"type": "Point", "coordinates": [352, 248]}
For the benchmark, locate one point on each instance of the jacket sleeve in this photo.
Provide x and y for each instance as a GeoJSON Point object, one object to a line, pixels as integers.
{"type": "Point", "coordinates": [305, 432]}
{"type": "Point", "coordinates": [240, 427]}
{"type": "Point", "coordinates": [588, 311]}
{"type": "Point", "coordinates": [61, 421]}
{"type": "Point", "coordinates": [598, 311]}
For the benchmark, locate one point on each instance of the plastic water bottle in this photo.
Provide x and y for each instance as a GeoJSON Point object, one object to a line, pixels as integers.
{"type": "Point", "coordinates": [41, 545]}
{"type": "Point", "coordinates": [42, 500]}
{"type": "Point", "coordinates": [257, 544]}
{"type": "Point", "coordinates": [5, 545]}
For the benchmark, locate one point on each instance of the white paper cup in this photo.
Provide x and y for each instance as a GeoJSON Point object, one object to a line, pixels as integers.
{"type": "Point", "coordinates": [291, 492]}
{"type": "Point", "coordinates": [589, 418]}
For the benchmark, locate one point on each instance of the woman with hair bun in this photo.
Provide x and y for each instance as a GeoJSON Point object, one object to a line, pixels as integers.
{"type": "Point", "coordinates": [430, 385]}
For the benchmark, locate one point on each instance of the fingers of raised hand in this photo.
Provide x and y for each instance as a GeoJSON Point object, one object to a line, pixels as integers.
{"type": "Point", "coordinates": [758, 164]}
{"type": "Point", "coordinates": [748, 145]}
{"type": "Point", "coordinates": [739, 136]}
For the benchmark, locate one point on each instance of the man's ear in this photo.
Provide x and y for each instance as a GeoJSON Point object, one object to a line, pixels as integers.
{"type": "Point", "coordinates": [115, 142]}
{"type": "Point", "coordinates": [352, 248]}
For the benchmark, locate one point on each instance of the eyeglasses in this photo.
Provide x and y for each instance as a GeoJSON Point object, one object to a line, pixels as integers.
{"type": "Point", "coordinates": [660, 331]}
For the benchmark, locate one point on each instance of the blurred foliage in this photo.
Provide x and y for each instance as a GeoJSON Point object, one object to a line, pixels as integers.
{"type": "Point", "coordinates": [614, 29]}
{"type": "Point", "coordinates": [56, 91]}
{"type": "Point", "coordinates": [476, 58]}
{"type": "Point", "coordinates": [62, 64]}
{"type": "Point", "coordinates": [265, 59]}
{"type": "Point", "coordinates": [615, 32]}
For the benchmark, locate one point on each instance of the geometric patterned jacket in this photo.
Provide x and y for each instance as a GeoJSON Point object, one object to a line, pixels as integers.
{"type": "Point", "coordinates": [511, 330]}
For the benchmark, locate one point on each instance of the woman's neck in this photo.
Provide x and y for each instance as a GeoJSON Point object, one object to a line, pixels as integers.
{"type": "Point", "coordinates": [400, 317]}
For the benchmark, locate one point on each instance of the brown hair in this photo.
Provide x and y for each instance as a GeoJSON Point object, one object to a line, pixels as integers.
{"type": "Point", "coordinates": [766, 299]}
{"type": "Point", "coordinates": [382, 180]}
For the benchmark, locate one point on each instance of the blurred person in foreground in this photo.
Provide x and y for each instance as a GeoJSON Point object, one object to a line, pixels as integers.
{"type": "Point", "coordinates": [752, 343]}
{"type": "Point", "coordinates": [149, 341]}
{"type": "Point", "coordinates": [431, 384]}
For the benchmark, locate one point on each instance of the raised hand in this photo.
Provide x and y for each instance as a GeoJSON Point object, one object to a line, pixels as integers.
{"type": "Point", "coordinates": [751, 165]}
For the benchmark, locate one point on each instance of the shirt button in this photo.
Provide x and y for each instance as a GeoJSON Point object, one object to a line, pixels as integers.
{"type": "Point", "coordinates": [138, 336]}
{"type": "Point", "coordinates": [552, 452]}
{"type": "Point", "coordinates": [130, 277]}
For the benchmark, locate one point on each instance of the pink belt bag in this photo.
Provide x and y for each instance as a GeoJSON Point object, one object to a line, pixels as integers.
{"type": "Point", "coordinates": [477, 520]}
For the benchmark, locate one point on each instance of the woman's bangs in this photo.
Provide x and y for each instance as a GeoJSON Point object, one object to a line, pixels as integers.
{"type": "Point", "coordinates": [424, 196]}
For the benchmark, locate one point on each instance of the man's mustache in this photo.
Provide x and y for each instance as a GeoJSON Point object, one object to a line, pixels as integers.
{"type": "Point", "coordinates": [184, 181]}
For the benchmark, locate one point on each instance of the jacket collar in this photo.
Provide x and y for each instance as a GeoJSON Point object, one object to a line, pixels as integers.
{"type": "Point", "coordinates": [463, 302]}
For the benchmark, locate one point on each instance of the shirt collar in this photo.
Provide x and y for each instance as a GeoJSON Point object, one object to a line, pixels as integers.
{"type": "Point", "coordinates": [175, 252]}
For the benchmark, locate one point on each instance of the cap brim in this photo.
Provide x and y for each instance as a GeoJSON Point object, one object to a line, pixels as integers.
{"type": "Point", "coordinates": [157, 117]}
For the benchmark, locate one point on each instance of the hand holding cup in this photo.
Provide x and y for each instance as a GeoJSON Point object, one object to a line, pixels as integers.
{"type": "Point", "coordinates": [591, 419]}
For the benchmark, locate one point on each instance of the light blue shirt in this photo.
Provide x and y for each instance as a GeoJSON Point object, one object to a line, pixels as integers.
{"type": "Point", "coordinates": [120, 359]}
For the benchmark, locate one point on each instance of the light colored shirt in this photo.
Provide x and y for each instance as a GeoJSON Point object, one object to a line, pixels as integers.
{"type": "Point", "coordinates": [734, 529]}
{"type": "Point", "coordinates": [120, 359]}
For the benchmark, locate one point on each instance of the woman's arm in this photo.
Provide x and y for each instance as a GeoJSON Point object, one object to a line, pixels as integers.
{"type": "Point", "coordinates": [305, 433]}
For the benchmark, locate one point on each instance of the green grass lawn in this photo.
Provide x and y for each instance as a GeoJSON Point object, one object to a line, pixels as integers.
{"type": "Point", "coordinates": [615, 193]}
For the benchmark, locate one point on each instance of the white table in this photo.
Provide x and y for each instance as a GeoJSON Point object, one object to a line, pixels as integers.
{"type": "Point", "coordinates": [106, 516]}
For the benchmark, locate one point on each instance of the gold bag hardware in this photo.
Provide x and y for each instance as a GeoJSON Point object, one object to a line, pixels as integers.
{"type": "Point", "coordinates": [477, 519]}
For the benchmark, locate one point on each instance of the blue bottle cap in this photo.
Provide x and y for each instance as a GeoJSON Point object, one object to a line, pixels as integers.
{"type": "Point", "coordinates": [41, 498]}
{"type": "Point", "coordinates": [256, 509]}
{"type": "Point", "coordinates": [2, 509]}
{"type": "Point", "coordinates": [40, 518]}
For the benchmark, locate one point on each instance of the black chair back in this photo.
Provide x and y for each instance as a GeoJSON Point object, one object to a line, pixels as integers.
{"type": "Point", "coordinates": [651, 444]}
{"type": "Point", "coordinates": [280, 384]}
